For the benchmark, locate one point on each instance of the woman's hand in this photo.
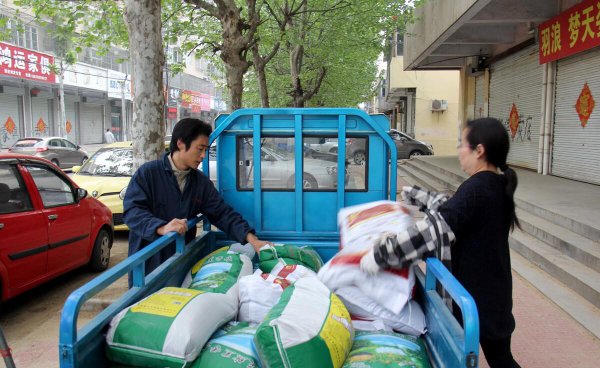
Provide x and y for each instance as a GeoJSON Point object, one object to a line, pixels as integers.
{"type": "Point", "coordinates": [368, 264]}
{"type": "Point", "coordinates": [422, 198]}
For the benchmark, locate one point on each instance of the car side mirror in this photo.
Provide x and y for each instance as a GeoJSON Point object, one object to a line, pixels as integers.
{"type": "Point", "coordinates": [75, 169]}
{"type": "Point", "coordinates": [81, 194]}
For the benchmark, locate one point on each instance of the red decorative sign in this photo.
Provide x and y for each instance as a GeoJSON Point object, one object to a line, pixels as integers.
{"type": "Point", "coordinates": [22, 63]}
{"type": "Point", "coordinates": [574, 30]}
{"type": "Point", "coordinates": [513, 120]}
{"type": "Point", "coordinates": [585, 105]}
{"type": "Point", "coordinates": [68, 127]}
{"type": "Point", "coordinates": [9, 125]}
{"type": "Point", "coordinates": [41, 126]}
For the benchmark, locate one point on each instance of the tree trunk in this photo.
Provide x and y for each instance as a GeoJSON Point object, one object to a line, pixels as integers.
{"type": "Point", "coordinates": [295, 69]}
{"type": "Point", "coordinates": [147, 59]}
{"type": "Point", "coordinates": [61, 97]}
{"type": "Point", "coordinates": [259, 67]}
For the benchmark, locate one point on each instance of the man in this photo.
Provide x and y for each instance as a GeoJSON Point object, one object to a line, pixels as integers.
{"type": "Point", "coordinates": [164, 193]}
{"type": "Point", "coordinates": [109, 137]}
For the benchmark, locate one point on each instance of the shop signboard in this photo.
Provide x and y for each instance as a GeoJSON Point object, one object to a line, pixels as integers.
{"type": "Point", "coordinates": [26, 64]}
{"type": "Point", "coordinates": [86, 76]}
{"type": "Point", "coordinates": [115, 86]}
{"type": "Point", "coordinates": [575, 30]}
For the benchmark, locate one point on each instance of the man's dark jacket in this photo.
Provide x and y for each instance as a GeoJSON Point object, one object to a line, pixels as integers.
{"type": "Point", "coordinates": [153, 198]}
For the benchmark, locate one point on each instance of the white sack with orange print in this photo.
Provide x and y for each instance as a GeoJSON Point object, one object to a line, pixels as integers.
{"type": "Point", "coordinates": [359, 227]}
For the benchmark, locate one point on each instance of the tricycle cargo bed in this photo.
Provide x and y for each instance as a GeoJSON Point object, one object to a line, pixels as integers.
{"type": "Point", "coordinates": [258, 153]}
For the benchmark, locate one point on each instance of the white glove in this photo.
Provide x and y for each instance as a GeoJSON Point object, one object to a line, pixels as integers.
{"type": "Point", "coordinates": [368, 264]}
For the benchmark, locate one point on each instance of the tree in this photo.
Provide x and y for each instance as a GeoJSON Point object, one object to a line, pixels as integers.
{"type": "Point", "coordinates": [330, 53]}
{"type": "Point", "coordinates": [143, 19]}
{"type": "Point", "coordinates": [237, 38]}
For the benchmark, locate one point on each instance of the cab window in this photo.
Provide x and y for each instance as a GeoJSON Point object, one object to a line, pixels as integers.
{"type": "Point", "coordinates": [54, 190]}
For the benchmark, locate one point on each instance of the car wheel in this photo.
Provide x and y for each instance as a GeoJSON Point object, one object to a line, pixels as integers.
{"type": "Point", "coordinates": [309, 182]}
{"type": "Point", "coordinates": [83, 160]}
{"type": "Point", "coordinates": [359, 157]}
{"type": "Point", "coordinates": [415, 153]}
{"type": "Point", "coordinates": [101, 253]}
{"type": "Point", "coordinates": [333, 150]}
{"type": "Point", "coordinates": [55, 162]}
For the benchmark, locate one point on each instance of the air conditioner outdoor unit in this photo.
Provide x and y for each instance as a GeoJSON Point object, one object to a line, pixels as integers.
{"type": "Point", "coordinates": [439, 105]}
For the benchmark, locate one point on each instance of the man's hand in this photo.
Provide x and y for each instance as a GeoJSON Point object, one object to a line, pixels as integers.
{"type": "Point", "coordinates": [256, 242]}
{"type": "Point", "coordinates": [177, 225]}
{"type": "Point", "coordinates": [368, 264]}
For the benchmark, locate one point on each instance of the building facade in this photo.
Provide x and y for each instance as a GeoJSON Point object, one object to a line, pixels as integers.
{"type": "Point", "coordinates": [534, 65]}
{"type": "Point", "coordinates": [423, 104]}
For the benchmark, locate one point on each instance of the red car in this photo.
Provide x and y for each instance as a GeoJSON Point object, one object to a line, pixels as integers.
{"type": "Point", "coordinates": [48, 225]}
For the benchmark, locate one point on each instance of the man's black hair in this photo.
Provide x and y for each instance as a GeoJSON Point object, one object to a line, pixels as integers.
{"type": "Point", "coordinates": [187, 130]}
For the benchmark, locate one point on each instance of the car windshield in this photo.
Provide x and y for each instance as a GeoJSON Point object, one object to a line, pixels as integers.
{"type": "Point", "coordinates": [109, 162]}
{"type": "Point", "coordinates": [28, 143]}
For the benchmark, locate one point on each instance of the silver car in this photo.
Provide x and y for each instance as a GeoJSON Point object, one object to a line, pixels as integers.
{"type": "Point", "coordinates": [278, 169]}
{"type": "Point", "coordinates": [61, 152]}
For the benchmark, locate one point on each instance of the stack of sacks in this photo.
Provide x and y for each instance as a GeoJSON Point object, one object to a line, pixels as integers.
{"type": "Point", "coordinates": [232, 346]}
{"type": "Point", "coordinates": [261, 291]}
{"type": "Point", "coordinates": [385, 297]}
{"type": "Point", "coordinates": [386, 349]}
{"type": "Point", "coordinates": [282, 254]}
{"type": "Point", "coordinates": [170, 327]}
{"type": "Point", "coordinates": [308, 327]}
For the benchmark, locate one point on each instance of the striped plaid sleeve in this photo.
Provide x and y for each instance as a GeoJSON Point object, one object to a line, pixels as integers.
{"type": "Point", "coordinates": [422, 198]}
{"type": "Point", "coordinates": [401, 249]}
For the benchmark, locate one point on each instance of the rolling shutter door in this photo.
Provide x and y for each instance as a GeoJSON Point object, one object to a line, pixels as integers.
{"type": "Point", "coordinates": [479, 97]}
{"type": "Point", "coordinates": [576, 149]}
{"type": "Point", "coordinates": [41, 115]}
{"type": "Point", "coordinates": [11, 122]}
{"type": "Point", "coordinates": [71, 117]}
{"type": "Point", "coordinates": [517, 80]}
{"type": "Point", "coordinates": [92, 122]}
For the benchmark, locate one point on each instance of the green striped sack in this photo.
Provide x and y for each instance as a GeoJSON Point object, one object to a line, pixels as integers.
{"type": "Point", "coordinates": [218, 272]}
{"type": "Point", "coordinates": [232, 346]}
{"type": "Point", "coordinates": [270, 256]}
{"type": "Point", "coordinates": [308, 327]}
{"type": "Point", "coordinates": [381, 349]}
{"type": "Point", "coordinates": [168, 328]}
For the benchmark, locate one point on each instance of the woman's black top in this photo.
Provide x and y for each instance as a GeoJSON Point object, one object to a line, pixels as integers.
{"type": "Point", "coordinates": [478, 214]}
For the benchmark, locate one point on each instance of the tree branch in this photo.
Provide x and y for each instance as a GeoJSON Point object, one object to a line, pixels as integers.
{"type": "Point", "coordinates": [211, 9]}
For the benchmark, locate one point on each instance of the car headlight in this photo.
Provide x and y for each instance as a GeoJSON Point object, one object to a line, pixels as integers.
{"type": "Point", "coordinates": [122, 193]}
{"type": "Point", "coordinates": [332, 170]}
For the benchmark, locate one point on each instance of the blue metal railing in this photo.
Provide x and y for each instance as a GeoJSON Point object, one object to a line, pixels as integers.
{"type": "Point", "coordinates": [70, 338]}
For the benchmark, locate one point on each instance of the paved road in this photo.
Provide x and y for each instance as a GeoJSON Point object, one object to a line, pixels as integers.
{"type": "Point", "coordinates": [31, 321]}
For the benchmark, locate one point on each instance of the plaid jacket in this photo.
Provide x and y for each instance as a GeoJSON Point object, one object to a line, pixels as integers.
{"type": "Point", "coordinates": [430, 236]}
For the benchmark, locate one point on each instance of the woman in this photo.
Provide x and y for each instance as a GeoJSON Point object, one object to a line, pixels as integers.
{"type": "Point", "coordinates": [479, 217]}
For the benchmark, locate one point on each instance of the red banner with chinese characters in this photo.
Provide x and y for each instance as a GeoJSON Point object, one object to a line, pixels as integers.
{"type": "Point", "coordinates": [191, 100]}
{"type": "Point", "coordinates": [22, 63]}
{"type": "Point", "coordinates": [574, 30]}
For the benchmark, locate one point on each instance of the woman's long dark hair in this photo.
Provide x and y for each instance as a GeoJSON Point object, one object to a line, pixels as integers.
{"type": "Point", "coordinates": [492, 135]}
